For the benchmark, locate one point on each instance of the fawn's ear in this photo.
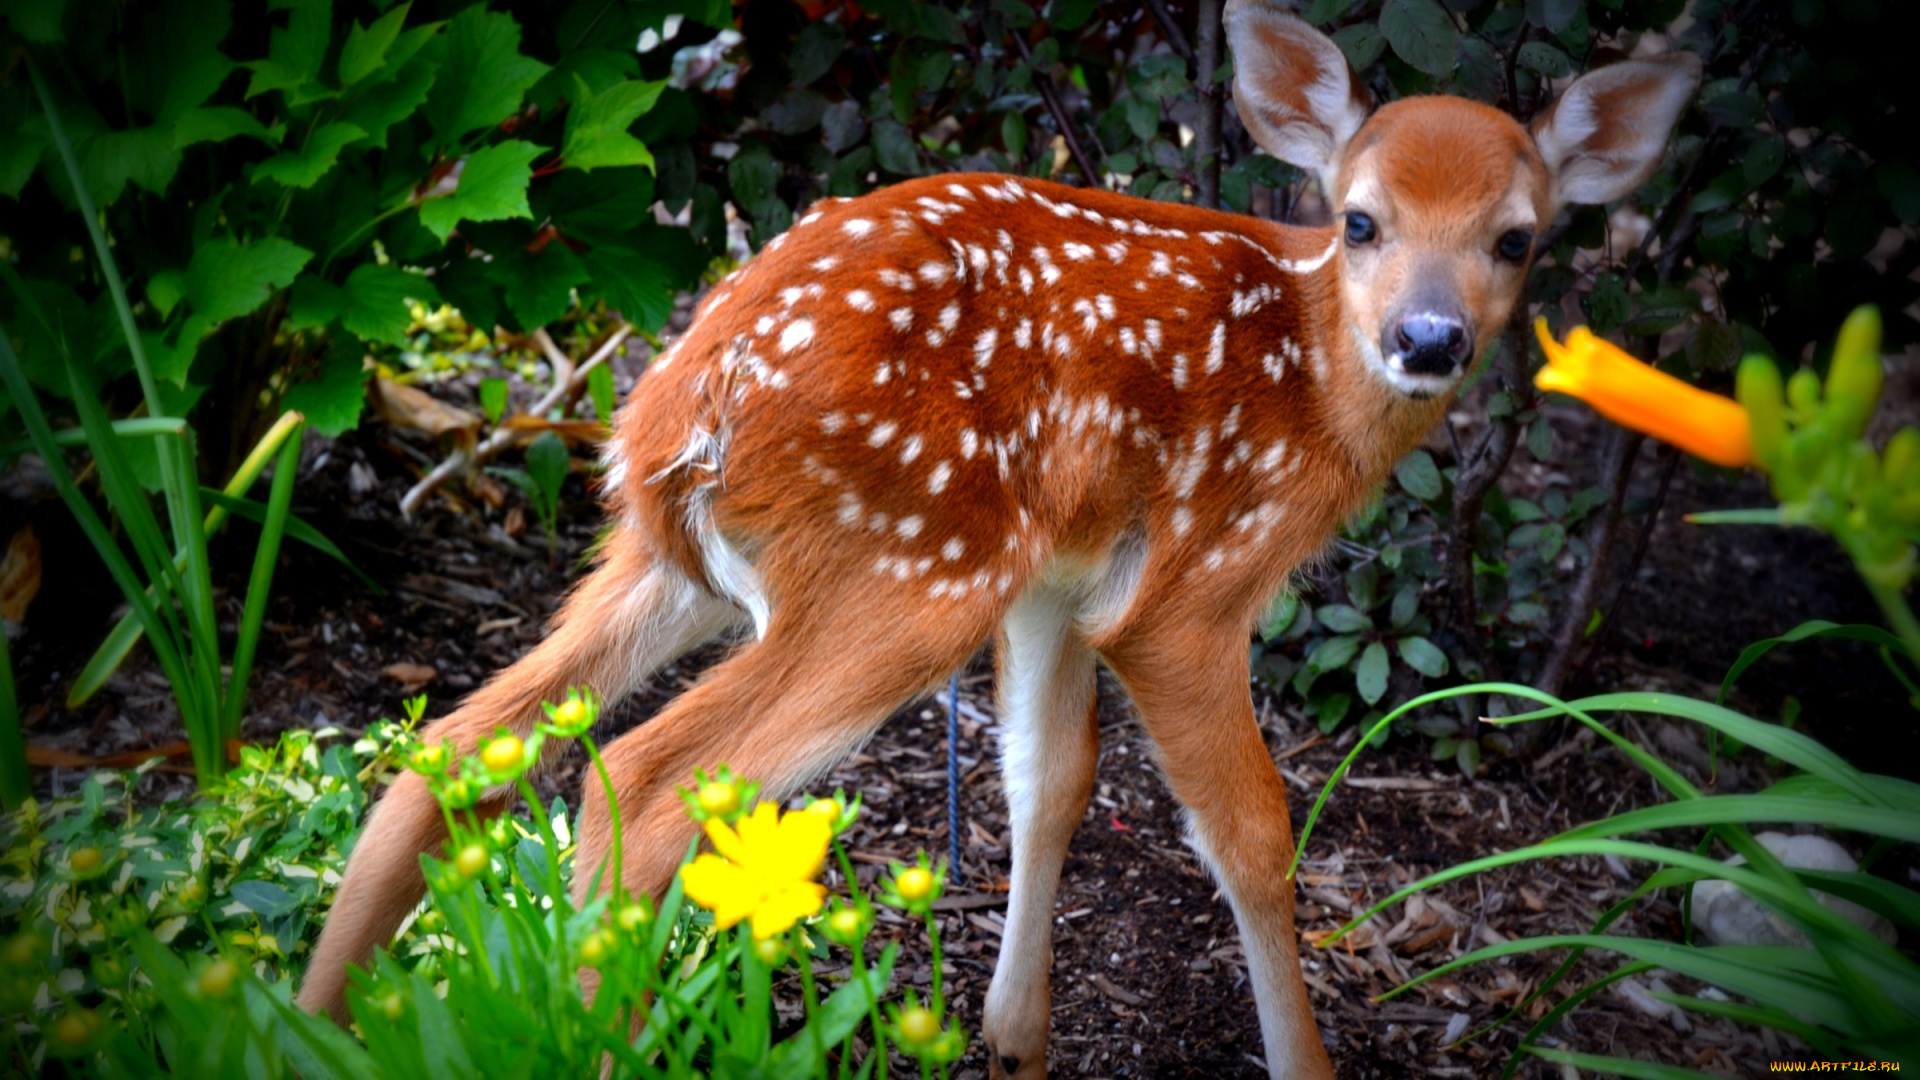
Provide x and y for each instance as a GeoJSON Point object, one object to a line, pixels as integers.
{"type": "Point", "coordinates": [1295, 92]}
{"type": "Point", "coordinates": [1606, 134]}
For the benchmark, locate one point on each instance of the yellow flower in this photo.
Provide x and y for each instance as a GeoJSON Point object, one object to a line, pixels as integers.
{"type": "Point", "coordinates": [1637, 396]}
{"type": "Point", "coordinates": [765, 871]}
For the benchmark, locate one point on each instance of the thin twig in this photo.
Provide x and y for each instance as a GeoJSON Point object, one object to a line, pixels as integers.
{"type": "Point", "coordinates": [1176, 40]}
{"type": "Point", "coordinates": [1621, 449]}
{"type": "Point", "coordinates": [1475, 478]}
{"type": "Point", "coordinates": [462, 461]}
{"type": "Point", "coordinates": [1610, 620]}
{"type": "Point", "coordinates": [1206, 140]}
{"type": "Point", "coordinates": [1043, 81]}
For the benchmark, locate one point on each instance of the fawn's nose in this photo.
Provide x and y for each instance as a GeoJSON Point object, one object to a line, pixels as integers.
{"type": "Point", "coordinates": [1431, 343]}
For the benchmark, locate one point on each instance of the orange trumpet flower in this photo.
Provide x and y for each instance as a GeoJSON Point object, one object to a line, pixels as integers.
{"type": "Point", "coordinates": [1637, 396]}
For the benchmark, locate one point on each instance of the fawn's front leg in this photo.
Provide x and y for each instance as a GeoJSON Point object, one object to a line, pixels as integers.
{"type": "Point", "coordinates": [1189, 681]}
{"type": "Point", "coordinates": [1052, 744]}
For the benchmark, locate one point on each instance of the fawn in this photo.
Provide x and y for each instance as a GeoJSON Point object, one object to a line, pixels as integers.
{"type": "Point", "coordinates": [1091, 426]}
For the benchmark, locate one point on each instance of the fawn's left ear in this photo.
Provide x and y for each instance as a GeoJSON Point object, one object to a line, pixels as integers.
{"type": "Point", "coordinates": [1606, 134]}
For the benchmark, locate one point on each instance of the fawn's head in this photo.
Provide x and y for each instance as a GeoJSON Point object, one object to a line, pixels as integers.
{"type": "Point", "coordinates": [1438, 200]}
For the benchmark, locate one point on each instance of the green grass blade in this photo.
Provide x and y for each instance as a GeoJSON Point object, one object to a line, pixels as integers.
{"type": "Point", "coordinates": [68, 438]}
{"type": "Point", "coordinates": [1897, 903]}
{"type": "Point", "coordinates": [1812, 628]}
{"type": "Point", "coordinates": [16, 784]}
{"type": "Point", "coordinates": [127, 632]}
{"type": "Point", "coordinates": [1758, 1016]}
{"type": "Point", "coordinates": [260, 584]}
{"type": "Point", "coordinates": [1623, 1067]}
{"type": "Point", "coordinates": [1572, 1002]}
{"type": "Point", "coordinates": [1748, 809]}
{"type": "Point", "coordinates": [256, 511]}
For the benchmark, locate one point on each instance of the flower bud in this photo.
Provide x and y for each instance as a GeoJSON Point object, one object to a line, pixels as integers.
{"type": "Point", "coordinates": [471, 860]}
{"type": "Point", "coordinates": [770, 950]}
{"type": "Point", "coordinates": [635, 917]}
{"type": "Point", "coordinates": [594, 949]}
{"type": "Point", "coordinates": [1803, 394]}
{"type": "Point", "coordinates": [391, 1006]}
{"type": "Point", "coordinates": [914, 884]}
{"type": "Point", "coordinates": [846, 926]}
{"type": "Point", "coordinates": [504, 754]}
{"type": "Point", "coordinates": [1901, 464]}
{"type": "Point", "coordinates": [26, 952]}
{"type": "Point", "coordinates": [918, 1026]}
{"type": "Point", "coordinates": [74, 1030]}
{"type": "Point", "coordinates": [1854, 377]}
{"type": "Point", "coordinates": [85, 860]}
{"type": "Point", "coordinates": [1761, 393]}
{"type": "Point", "coordinates": [719, 798]}
{"type": "Point", "coordinates": [217, 980]}
{"type": "Point", "coordinates": [571, 718]}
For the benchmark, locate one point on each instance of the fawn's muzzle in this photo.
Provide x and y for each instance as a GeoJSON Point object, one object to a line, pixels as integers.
{"type": "Point", "coordinates": [1430, 343]}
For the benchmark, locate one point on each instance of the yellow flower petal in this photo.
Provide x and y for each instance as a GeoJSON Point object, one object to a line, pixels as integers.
{"type": "Point", "coordinates": [1637, 396]}
{"type": "Point", "coordinates": [781, 910]}
{"type": "Point", "coordinates": [725, 840]}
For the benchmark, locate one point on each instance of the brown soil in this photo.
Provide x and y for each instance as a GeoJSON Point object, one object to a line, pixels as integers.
{"type": "Point", "coordinates": [1149, 979]}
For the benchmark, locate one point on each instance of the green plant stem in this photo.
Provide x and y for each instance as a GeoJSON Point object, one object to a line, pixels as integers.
{"type": "Point", "coordinates": [860, 964]}
{"type": "Point", "coordinates": [16, 784]}
{"type": "Point", "coordinates": [1894, 604]}
{"type": "Point", "coordinates": [808, 998]}
{"type": "Point", "coordinates": [260, 583]}
{"type": "Point", "coordinates": [67, 438]}
{"type": "Point", "coordinates": [613, 812]}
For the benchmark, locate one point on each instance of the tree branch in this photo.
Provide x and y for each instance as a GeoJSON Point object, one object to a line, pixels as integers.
{"type": "Point", "coordinates": [1206, 141]}
{"type": "Point", "coordinates": [1043, 81]}
{"type": "Point", "coordinates": [1176, 40]}
{"type": "Point", "coordinates": [1475, 477]}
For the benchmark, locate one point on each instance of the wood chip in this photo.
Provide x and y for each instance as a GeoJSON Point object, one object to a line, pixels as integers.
{"type": "Point", "coordinates": [411, 676]}
{"type": "Point", "coordinates": [1120, 994]}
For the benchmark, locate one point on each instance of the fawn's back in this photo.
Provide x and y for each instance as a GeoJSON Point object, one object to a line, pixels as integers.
{"type": "Point", "coordinates": [957, 381]}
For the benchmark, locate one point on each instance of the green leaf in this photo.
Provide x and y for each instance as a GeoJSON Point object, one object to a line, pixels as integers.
{"type": "Point", "coordinates": [1423, 656]}
{"type": "Point", "coordinates": [217, 124]}
{"type": "Point", "coordinates": [634, 283]}
{"type": "Point", "coordinates": [38, 21]}
{"type": "Point", "coordinates": [539, 287]}
{"type": "Point", "coordinates": [1812, 628]}
{"type": "Point", "coordinates": [493, 397]}
{"type": "Point", "coordinates": [894, 148]}
{"type": "Point", "coordinates": [1333, 653]}
{"type": "Point", "coordinates": [303, 167]}
{"type": "Point", "coordinates": [1421, 33]}
{"type": "Point", "coordinates": [597, 125]}
{"type": "Point", "coordinates": [547, 460]}
{"type": "Point", "coordinates": [1370, 674]}
{"type": "Point", "coordinates": [314, 303]}
{"type": "Point", "coordinates": [227, 279]}
{"type": "Point", "coordinates": [1279, 614]}
{"type": "Point", "coordinates": [1406, 604]}
{"type": "Point", "coordinates": [378, 107]}
{"type": "Point", "coordinates": [815, 49]}
{"type": "Point", "coordinates": [1540, 439]}
{"type": "Point", "coordinates": [600, 204]}
{"type": "Point", "coordinates": [1545, 59]}
{"type": "Point", "coordinates": [600, 388]}
{"type": "Point", "coordinates": [1749, 809]}
{"type": "Point", "coordinates": [1071, 14]}
{"type": "Point", "coordinates": [366, 49]}
{"type": "Point", "coordinates": [166, 289]}
{"type": "Point", "coordinates": [1419, 476]}
{"type": "Point", "coordinates": [20, 153]}
{"type": "Point", "coordinates": [264, 898]}
{"type": "Point", "coordinates": [1361, 43]}
{"type": "Point", "coordinates": [332, 401]}
{"type": "Point", "coordinates": [483, 76]}
{"type": "Point", "coordinates": [295, 52]}
{"type": "Point", "coordinates": [145, 155]}
{"type": "Point", "coordinates": [492, 186]}
{"type": "Point", "coordinates": [377, 301]}
{"type": "Point", "coordinates": [1342, 619]}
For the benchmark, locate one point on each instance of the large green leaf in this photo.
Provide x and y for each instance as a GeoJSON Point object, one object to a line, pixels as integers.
{"type": "Point", "coordinates": [492, 186]}
{"type": "Point", "coordinates": [227, 279]}
{"type": "Point", "coordinates": [1421, 33]}
{"type": "Point", "coordinates": [332, 401]}
{"type": "Point", "coordinates": [539, 287]}
{"type": "Point", "coordinates": [301, 168]}
{"type": "Point", "coordinates": [1748, 809]}
{"type": "Point", "coordinates": [377, 301]}
{"type": "Point", "coordinates": [597, 125]}
{"type": "Point", "coordinates": [365, 51]}
{"type": "Point", "coordinates": [218, 124]}
{"type": "Point", "coordinates": [483, 76]}
{"type": "Point", "coordinates": [387, 101]}
{"type": "Point", "coordinates": [634, 282]}
{"type": "Point", "coordinates": [295, 52]}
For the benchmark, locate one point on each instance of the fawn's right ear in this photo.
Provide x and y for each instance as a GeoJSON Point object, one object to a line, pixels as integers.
{"type": "Point", "coordinates": [1296, 94]}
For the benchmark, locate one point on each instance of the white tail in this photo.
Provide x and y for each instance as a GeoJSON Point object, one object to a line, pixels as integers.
{"type": "Point", "coordinates": [1104, 429]}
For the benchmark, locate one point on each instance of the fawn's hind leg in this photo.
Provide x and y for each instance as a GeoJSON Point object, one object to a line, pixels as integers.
{"type": "Point", "coordinates": [629, 617]}
{"type": "Point", "coordinates": [779, 711]}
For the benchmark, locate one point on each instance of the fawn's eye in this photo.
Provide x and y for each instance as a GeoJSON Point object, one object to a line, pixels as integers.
{"type": "Point", "coordinates": [1360, 228]}
{"type": "Point", "coordinates": [1515, 245]}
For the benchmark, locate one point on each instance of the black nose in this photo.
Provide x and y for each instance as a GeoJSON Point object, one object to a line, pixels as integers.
{"type": "Point", "coordinates": [1431, 343]}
